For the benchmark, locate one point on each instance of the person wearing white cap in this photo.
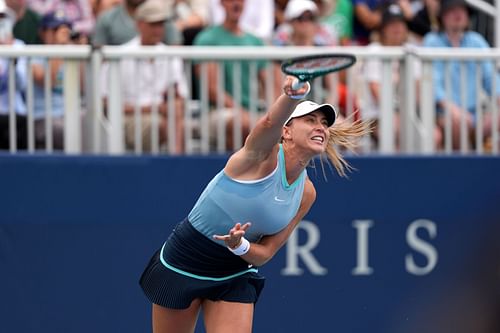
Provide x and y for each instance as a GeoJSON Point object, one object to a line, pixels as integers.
{"type": "Point", "coordinates": [302, 27]}
{"type": "Point", "coordinates": [243, 217]}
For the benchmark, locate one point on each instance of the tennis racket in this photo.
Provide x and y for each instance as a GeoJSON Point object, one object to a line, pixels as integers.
{"type": "Point", "coordinates": [308, 67]}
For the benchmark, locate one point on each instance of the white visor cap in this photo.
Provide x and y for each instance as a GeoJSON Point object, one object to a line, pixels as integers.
{"type": "Point", "coordinates": [307, 107]}
{"type": "Point", "coordinates": [295, 8]}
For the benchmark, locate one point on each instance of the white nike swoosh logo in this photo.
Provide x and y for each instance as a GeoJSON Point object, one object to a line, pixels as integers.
{"type": "Point", "coordinates": [278, 199]}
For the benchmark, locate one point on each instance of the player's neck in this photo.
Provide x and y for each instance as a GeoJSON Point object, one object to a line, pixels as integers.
{"type": "Point", "coordinates": [294, 164]}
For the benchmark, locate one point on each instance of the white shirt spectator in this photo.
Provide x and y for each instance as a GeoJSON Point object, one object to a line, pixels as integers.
{"type": "Point", "coordinates": [145, 81]}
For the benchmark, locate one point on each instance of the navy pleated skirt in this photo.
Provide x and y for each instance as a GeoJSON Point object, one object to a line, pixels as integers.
{"type": "Point", "coordinates": [191, 266]}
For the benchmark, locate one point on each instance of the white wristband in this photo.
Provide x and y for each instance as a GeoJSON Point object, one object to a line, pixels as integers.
{"type": "Point", "coordinates": [304, 94]}
{"type": "Point", "coordinates": [242, 248]}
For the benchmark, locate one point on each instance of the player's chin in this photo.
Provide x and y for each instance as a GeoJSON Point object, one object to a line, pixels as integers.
{"type": "Point", "coordinates": [317, 148]}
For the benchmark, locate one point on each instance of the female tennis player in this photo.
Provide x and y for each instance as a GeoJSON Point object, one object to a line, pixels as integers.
{"type": "Point", "coordinates": [243, 217]}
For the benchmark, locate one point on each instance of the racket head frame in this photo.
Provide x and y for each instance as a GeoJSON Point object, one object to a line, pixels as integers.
{"type": "Point", "coordinates": [306, 74]}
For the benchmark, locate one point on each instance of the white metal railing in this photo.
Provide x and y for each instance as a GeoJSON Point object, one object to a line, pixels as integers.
{"type": "Point", "coordinates": [113, 54]}
{"type": "Point", "coordinates": [428, 57]}
{"type": "Point", "coordinates": [99, 129]}
{"type": "Point", "coordinates": [73, 55]}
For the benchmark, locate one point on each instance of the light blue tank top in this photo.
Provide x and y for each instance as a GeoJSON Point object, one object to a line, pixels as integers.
{"type": "Point", "coordinates": [269, 203]}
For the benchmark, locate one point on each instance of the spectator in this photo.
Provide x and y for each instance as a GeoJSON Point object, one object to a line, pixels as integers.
{"type": "Point", "coordinates": [55, 29]}
{"type": "Point", "coordinates": [146, 83]}
{"type": "Point", "coordinates": [7, 20]}
{"type": "Point", "coordinates": [340, 18]}
{"type": "Point", "coordinates": [116, 26]}
{"type": "Point", "coordinates": [454, 33]}
{"type": "Point", "coordinates": [279, 12]}
{"type": "Point", "coordinates": [99, 6]}
{"type": "Point", "coordinates": [393, 31]}
{"type": "Point", "coordinates": [27, 21]}
{"type": "Point", "coordinates": [227, 34]}
{"type": "Point", "coordinates": [367, 18]}
{"type": "Point", "coordinates": [302, 28]}
{"type": "Point", "coordinates": [257, 17]}
{"type": "Point", "coordinates": [423, 20]}
{"type": "Point", "coordinates": [77, 12]}
{"type": "Point", "coordinates": [191, 16]}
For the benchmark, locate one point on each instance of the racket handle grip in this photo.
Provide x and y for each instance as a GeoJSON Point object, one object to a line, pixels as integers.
{"type": "Point", "coordinates": [298, 84]}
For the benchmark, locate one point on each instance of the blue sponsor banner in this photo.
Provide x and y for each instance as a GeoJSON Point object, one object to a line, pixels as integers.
{"type": "Point", "coordinates": [406, 244]}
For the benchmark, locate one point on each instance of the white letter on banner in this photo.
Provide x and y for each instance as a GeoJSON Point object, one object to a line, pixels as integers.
{"type": "Point", "coordinates": [362, 267]}
{"type": "Point", "coordinates": [294, 250]}
{"type": "Point", "coordinates": [419, 245]}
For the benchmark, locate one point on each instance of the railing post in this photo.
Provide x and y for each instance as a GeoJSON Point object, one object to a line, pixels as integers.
{"type": "Point", "coordinates": [407, 111]}
{"type": "Point", "coordinates": [428, 112]}
{"type": "Point", "coordinates": [95, 103]}
{"type": "Point", "coordinates": [30, 109]}
{"type": "Point", "coordinates": [72, 115]}
{"type": "Point", "coordinates": [386, 126]}
{"type": "Point", "coordinates": [116, 134]}
{"type": "Point", "coordinates": [12, 112]}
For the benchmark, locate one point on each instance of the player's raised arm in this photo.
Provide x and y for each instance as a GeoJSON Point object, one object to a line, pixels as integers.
{"type": "Point", "coordinates": [267, 132]}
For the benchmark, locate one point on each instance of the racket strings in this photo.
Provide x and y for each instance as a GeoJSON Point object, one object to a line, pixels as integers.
{"type": "Point", "coordinates": [309, 67]}
{"type": "Point", "coordinates": [319, 64]}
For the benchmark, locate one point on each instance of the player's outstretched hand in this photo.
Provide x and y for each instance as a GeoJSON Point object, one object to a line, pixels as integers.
{"type": "Point", "coordinates": [233, 238]}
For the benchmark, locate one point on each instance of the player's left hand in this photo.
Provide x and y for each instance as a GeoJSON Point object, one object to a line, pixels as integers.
{"type": "Point", "coordinates": [233, 238]}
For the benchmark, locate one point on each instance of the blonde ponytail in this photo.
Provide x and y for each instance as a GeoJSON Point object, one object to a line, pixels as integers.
{"type": "Point", "coordinates": [345, 134]}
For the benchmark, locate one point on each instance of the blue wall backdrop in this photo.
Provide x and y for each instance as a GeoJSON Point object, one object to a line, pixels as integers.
{"type": "Point", "coordinates": [404, 245]}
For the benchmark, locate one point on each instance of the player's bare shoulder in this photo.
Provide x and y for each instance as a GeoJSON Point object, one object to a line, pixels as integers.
{"type": "Point", "coordinates": [246, 164]}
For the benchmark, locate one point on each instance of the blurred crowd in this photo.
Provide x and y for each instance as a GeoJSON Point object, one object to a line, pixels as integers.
{"type": "Point", "coordinates": [370, 23]}
{"type": "Point", "coordinates": [340, 22]}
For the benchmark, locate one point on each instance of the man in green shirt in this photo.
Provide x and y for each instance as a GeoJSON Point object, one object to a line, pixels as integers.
{"type": "Point", "coordinates": [341, 20]}
{"type": "Point", "coordinates": [229, 33]}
